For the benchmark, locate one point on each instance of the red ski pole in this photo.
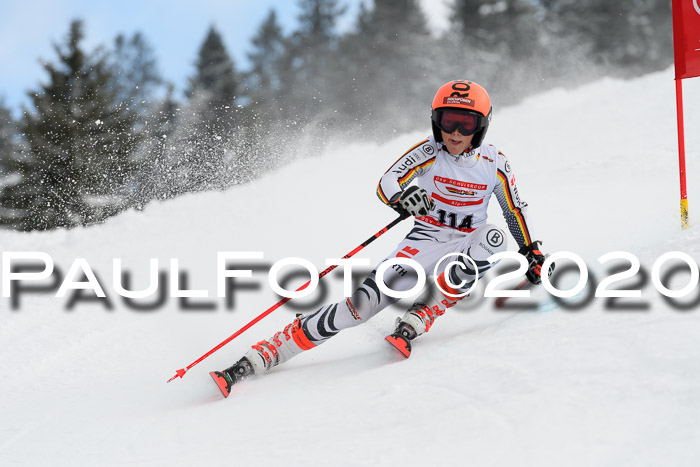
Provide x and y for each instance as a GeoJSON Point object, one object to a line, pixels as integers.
{"type": "Point", "coordinates": [181, 372]}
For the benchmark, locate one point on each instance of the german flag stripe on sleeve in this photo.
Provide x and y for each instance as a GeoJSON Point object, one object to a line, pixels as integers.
{"type": "Point", "coordinates": [516, 211]}
{"type": "Point", "coordinates": [380, 192]}
{"type": "Point", "coordinates": [411, 173]}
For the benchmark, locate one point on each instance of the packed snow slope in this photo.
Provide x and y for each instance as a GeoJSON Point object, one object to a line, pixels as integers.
{"type": "Point", "coordinates": [83, 383]}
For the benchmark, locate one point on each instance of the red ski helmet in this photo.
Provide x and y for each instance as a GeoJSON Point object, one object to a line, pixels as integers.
{"type": "Point", "coordinates": [463, 105]}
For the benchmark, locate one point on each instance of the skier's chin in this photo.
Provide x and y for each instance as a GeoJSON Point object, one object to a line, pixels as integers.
{"type": "Point", "coordinates": [456, 147]}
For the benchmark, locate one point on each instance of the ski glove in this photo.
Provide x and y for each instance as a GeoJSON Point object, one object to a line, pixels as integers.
{"type": "Point", "coordinates": [414, 201]}
{"type": "Point", "coordinates": [535, 259]}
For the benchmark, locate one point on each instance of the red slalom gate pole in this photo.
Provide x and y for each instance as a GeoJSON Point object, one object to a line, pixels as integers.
{"type": "Point", "coordinates": [181, 372]}
{"type": "Point", "coordinates": [681, 153]}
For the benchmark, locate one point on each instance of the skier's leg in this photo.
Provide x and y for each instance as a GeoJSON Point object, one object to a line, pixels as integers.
{"type": "Point", "coordinates": [479, 245]}
{"type": "Point", "coordinates": [307, 332]}
{"type": "Point", "coordinates": [310, 331]}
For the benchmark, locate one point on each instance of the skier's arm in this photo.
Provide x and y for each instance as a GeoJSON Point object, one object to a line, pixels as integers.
{"type": "Point", "coordinates": [514, 209]}
{"type": "Point", "coordinates": [414, 163]}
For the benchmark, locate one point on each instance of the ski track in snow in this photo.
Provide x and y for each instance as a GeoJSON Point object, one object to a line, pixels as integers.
{"type": "Point", "coordinates": [540, 385]}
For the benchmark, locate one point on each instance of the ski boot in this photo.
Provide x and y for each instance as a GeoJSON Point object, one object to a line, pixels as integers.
{"type": "Point", "coordinates": [402, 337]}
{"type": "Point", "coordinates": [417, 321]}
{"type": "Point", "coordinates": [230, 376]}
{"type": "Point", "coordinates": [433, 303]}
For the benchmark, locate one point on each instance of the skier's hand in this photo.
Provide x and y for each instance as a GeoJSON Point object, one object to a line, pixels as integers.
{"type": "Point", "coordinates": [414, 201]}
{"type": "Point", "coordinates": [535, 259]}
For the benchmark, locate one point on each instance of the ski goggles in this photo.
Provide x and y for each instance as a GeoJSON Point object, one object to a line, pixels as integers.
{"type": "Point", "coordinates": [466, 121]}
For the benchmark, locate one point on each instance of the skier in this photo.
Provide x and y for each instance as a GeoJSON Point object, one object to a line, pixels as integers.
{"type": "Point", "coordinates": [455, 174]}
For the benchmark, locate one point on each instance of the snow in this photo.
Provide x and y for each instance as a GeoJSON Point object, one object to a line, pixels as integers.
{"type": "Point", "coordinates": [592, 385]}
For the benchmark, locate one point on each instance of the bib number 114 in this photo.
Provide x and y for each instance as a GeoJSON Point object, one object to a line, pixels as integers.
{"type": "Point", "coordinates": [450, 219]}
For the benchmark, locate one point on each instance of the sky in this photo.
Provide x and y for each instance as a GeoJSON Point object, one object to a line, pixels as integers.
{"type": "Point", "coordinates": [174, 28]}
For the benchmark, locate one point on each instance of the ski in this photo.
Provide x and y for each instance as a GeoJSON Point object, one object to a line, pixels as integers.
{"type": "Point", "coordinates": [222, 382]}
{"type": "Point", "coordinates": [400, 344]}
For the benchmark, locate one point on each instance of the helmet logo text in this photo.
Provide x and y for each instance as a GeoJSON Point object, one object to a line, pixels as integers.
{"type": "Point", "coordinates": [456, 100]}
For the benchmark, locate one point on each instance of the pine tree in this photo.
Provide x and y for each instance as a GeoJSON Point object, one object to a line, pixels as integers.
{"type": "Point", "coordinates": [646, 43]}
{"type": "Point", "coordinates": [500, 35]}
{"type": "Point", "coordinates": [266, 79]}
{"type": "Point", "coordinates": [657, 26]}
{"type": "Point", "coordinates": [135, 70]}
{"type": "Point", "coordinates": [265, 121]}
{"type": "Point", "coordinates": [14, 158]}
{"type": "Point", "coordinates": [9, 146]}
{"type": "Point", "coordinates": [508, 28]}
{"type": "Point", "coordinates": [80, 141]}
{"type": "Point", "coordinates": [156, 172]}
{"type": "Point", "coordinates": [309, 52]}
{"type": "Point", "coordinates": [390, 58]}
{"type": "Point", "coordinates": [11, 149]}
{"type": "Point", "coordinates": [139, 86]}
{"type": "Point", "coordinates": [215, 76]}
{"type": "Point", "coordinates": [475, 20]}
{"type": "Point", "coordinates": [202, 157]}
{"type": "Point", "coordinates": [619, 38]}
